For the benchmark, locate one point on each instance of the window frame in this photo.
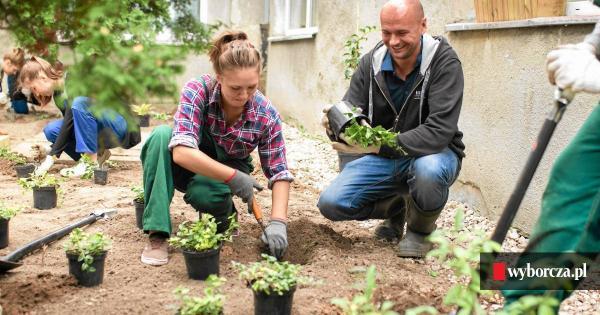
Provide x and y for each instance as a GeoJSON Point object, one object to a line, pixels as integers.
{"type": "Point", "coordinates": [309, 30]}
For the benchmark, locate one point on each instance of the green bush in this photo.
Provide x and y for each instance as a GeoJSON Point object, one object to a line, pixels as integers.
{"type": "Point", "coordinates": [35, 181]}
{"type": "Point", "coordinates": [7, 213]}
{"type": "Point", "coordinates": [139, 193]}
{"type": "Point", "coordinates": [202, 235]}
{"type": "Point", "coordinates": [271, 276]}
{"type": "Point", "coordinates": [86, 246]}
{"type": "Point", "coordinates": [210, 304]}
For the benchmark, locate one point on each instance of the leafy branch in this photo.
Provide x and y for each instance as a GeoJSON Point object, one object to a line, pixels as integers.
{"type": "Point", "coordinates": [353, 47]}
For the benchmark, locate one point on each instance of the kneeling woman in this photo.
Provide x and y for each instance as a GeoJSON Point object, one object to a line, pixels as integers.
{"type": "Point", "coordinates": [79, 132]}
{"type": "Point", "coordinates": [219, 121]}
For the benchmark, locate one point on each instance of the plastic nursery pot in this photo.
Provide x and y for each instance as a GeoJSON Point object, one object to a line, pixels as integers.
{"type": "Point", "coordinates": [100, 176]}
{"type": "Point", "coordinates": [85, 278]}
{"type": "Point", "coordinates": [200, 265]}
{"type": "Point", "coordinates": [44, 197]}
{"type": "Point", "coordinates": [144, 120]}
{"type": "Point", "coordinates": [340, 116]}
{"type": "Point", "coordinates": [3, 233]}
{"type": "Point", "coordinates": [273, 304]}
{"type": "Point", "coordinates": [24, 170]}
{"type": "Point", "coordinates": [139, 213]}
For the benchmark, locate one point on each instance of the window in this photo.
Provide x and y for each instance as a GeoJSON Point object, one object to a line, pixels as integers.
{"type": "Point", "coordinates": [300, 17]}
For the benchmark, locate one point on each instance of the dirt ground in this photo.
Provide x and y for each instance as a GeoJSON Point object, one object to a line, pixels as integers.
{"type": "Point", "coordinates": [334, 253]}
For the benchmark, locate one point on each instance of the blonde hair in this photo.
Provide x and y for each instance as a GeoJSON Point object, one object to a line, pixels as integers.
{"type": "Point", "coordinates": [233, 50]}
{"type": "Point", "coordinates": [16, 57]}
{"type": "Point", "coordinates": [32, 68]}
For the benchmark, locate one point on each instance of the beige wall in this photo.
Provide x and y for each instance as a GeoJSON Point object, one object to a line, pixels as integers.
{"type": "Point", "coordinates": [506, 96]}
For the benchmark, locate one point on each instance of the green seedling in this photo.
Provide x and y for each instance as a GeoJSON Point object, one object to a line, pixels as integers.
{"type": "Point", "coordinates": [364, 303]}
{"type": "Point", "coordinates": [271, 276]}
{"type": "Point", "coordinates": [6, 213]}
{"type": "Point", "coordinates": [86, 246]}
{"type": "Point", "coordinates": [202, 235]}
{"type": "Point", "coordinates": [142, 110]}
{"type": "Point", "coordinates": [367, 136]}
{"type": "Point", "coordinates": [353, 47]}
{"type": "Point", "coordinates": [89, 167]}
{"type": "Point", "coordinates": [531, 305]}
{"type": "Point", "coordinates": [36, 181]}
{"type": "Point", "coordinates": [161, 116]}
{"type": "Point", "coordinates": [15, 158]}
{"type": "Point", "coordinates": [139, 193]}
{"type": "Point", "coordinates": [210, 304]}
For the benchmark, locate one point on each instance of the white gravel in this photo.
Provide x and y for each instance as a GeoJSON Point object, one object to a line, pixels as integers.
{"type": "Point", "coordinates": [313, 162]}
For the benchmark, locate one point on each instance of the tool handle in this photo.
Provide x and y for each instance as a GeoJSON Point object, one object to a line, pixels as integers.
{"type": "Point", "coordinates": [256, 209]}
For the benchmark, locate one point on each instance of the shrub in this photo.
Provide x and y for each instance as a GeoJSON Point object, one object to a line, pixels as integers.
{"type": "Point", "coordinates": [271, 276]}
{"type": "Point", "coordinates": [209, 304]}
{"type": "Point", "coordinates": [86, 246]}
{"type": "Point", "coordinates": [202, 235]}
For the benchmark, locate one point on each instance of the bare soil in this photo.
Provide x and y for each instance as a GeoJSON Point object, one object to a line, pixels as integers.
{"type": "Point", "coordinates": [333, 253]}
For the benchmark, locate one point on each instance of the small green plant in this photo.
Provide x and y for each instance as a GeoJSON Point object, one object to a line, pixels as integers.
{"type": "Point", "coordinates": [142, 110]}
{"type": "Point", "coordinates": [89, 167]}
{"type": "Point", "coordinates": [161, 116]}
{"type": "Point", "coordinates": [86, 246]}
{"type": "Point", "coordinates": [363, 303]}
{"type": "Point", "coordinates": [353, 49]}
{"type": "Point", "coordinates": [202, 235]}
{"type": "Point", "coordinates": [366, 136]}
{"type": "Point", "coordinates": [271, 276]}
{"type": "Point", "coordinates": [35, 181]}
{"type": "Point", "coordinates": [210, 304]}
{"type": "Point", "coordinates": [15, 158]}
{"type": "Point", "coordinates": [6, 213]}
{"type": "Point", "coordinates": [139, 193]}
{"type": "Point", "coordinates": [531, 305]}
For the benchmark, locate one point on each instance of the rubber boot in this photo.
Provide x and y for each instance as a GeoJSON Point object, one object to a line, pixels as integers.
{"type": "Point", "coordinates": [393, 210]}
{"type": "Point", "coordinates": [420, 225]}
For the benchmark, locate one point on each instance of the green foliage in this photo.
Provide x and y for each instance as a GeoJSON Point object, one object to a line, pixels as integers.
{"type": "Point", "coordinates": [142, 110]}
{"type": "Point", "coordinates": [210, 304]}
{"type": "Point", "coordinates": [139, 193]}
{"type": "Point", "coordinates": [271, 276]}
{"type": "Point", "coordinates": [202, 235]}
{"type": "Point", "coordinates": [89, 167]}
{"type": "Point", "coordinates": [6, 213]}
{"type": "Point", "coordinates": [363, 304]}
{"type": "Point", "coordinates": [366, 136]}
{"type": "Point", "coordinates": [161, 116]}
{"type": "Point", "coordinates": [15, 158]}
{"type": "Point", "coordinates": [532, 305]}
{"type": "Point", "coordinates": [116, 59]}
{"type": "Point", "coordinates": [353, 47]}
{"type": "Point", "coordinates": [45, 180]}
{"type": "Point", "coordinates": [86, 246]}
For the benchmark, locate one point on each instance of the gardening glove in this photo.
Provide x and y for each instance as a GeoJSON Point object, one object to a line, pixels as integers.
{"type": "Point", "coordinates": [3, 98]}
{"type": "Point", "coordinates": [276, 237]}
{"type": "Point", "coordinates": [353, 147]}
{"type": "Point", "coordinates": [575, 69]}
{"type": "Point", "coordinates": [242, 185]}
{"type": "Point", "coordinates": [45, 165]}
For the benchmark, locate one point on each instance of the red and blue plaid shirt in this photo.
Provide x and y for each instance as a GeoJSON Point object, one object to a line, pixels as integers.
{"type": "Point", "coordinates": [259, 126]}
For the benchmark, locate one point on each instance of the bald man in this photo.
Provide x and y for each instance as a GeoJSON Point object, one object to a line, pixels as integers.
{"type": "Point", "coordinates": [411, 83]}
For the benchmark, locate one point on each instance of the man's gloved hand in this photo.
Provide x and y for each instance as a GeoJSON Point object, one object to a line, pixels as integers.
{"type": "Point", "coordinates": [575, 69]}
{"type": "Point", "coordinates": [353, 147]}
{"type": "Point", "coordinates": [242, 185]}
{"type": "Point", "coordinates": [276, 238]}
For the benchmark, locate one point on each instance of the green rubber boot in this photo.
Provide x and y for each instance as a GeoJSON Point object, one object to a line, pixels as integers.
{"type": "Point", "coordinates": [420, 225]}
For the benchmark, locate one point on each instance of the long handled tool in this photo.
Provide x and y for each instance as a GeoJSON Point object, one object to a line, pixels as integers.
{"type": "Point", "coordinates": [11, 260]}
{"type": "Point", "coordinates": [257, 211]}
{"type": "Point", "coordinates": [562, 98]}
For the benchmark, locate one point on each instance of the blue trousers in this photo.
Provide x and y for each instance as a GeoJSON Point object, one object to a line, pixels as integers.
{"type": "Point", "coordinates": [18, 100]}
{"type": "Point", "coordinates": [364, 181]}
{"type": "Point", "coordinates": [90, 132]}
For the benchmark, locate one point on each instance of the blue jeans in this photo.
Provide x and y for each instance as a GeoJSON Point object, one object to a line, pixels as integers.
{"type": "Point", "coordinates": [89, 130]}
{"type": "Point", "coordinates": [364, 181]}
{"type": "Point", "coordinates": [18, 100]}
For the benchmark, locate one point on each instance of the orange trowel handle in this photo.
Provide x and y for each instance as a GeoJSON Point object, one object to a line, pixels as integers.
{"type": "Point", "coordinates": [256, 209]}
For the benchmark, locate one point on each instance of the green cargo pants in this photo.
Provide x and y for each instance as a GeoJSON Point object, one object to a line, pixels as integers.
{"type": "Point", "coordinates": [162, 176]}
{"type": "Point", "coordinates": [570, 215]}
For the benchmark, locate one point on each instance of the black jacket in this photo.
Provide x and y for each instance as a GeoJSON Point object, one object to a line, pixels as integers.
{"type": "Point", "coordinates": [427, 123]}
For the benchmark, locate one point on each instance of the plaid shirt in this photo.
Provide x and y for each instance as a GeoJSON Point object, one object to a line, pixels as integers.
{"type": "Point", "coordinates": [259, 126]}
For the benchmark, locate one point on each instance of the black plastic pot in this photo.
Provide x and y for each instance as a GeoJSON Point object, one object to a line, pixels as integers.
{"type": "Point", "coordinates": [44, 197]}
{"type": "Point", "coordinates": [273, 304]}
{"type": "Point", "coordinates": [200, 265]}
{"type": "Point", "coordinates": [24, 170]}
{"type": "Point", "coordinates": [85, 278]}
{"type": "Point", "coordinates": [100, 176]}
{"type": "Point", "coordinates": [3, 233]}
{"type": "Point", "coordinates": [139, 213]}
{"type": "Point", "coordinates": [144, 120]}
{"type": "Point", "coordinates": [340, 116]}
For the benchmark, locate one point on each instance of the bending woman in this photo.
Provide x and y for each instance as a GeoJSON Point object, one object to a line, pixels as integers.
{"type": "Point", "coordinates": [219, 121]}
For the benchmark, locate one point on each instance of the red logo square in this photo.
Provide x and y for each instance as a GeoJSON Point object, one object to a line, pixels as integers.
{"type": "Point", "coordinates": [499, 271]}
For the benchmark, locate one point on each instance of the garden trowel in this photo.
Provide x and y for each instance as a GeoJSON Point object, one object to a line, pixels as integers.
{"type": "Point", "coordinates": [11, 260]}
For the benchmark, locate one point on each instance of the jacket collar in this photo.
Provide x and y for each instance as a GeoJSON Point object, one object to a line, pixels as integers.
{"type": "Point", "coordinates": [430, 46]}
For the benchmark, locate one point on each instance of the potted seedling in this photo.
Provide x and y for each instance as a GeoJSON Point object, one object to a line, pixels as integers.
{"type": "Point", "coordinates": [6, 213]}
{"type": "Point", "coordinates": [100, 172]}
{"type": "Point", "coordinates": [201, 245]}
{"type": "Point", "coordinates": [210, 304]}
{"type": "Point", "coordinates": [273, 284]}
{"type": "Point", "coordinates": [86, 254]}
{"type": "Point", "coordinates": [143, 111]}
{"type": "Point", "coordinates": [45, 190]}
{"type": "Point", "coordinates": [139, 204]}
{"type": "Point", "coordinates": [23, 168]}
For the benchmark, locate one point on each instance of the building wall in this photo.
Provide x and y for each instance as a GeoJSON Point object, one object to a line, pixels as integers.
{"type": "Point", "coordinates": [506, 98]}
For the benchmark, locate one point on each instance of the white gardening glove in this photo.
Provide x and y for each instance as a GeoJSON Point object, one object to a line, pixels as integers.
{"type": "Point", "coordinates": [3, 99]}
{"type": "Point", "coordinates": [45, 165]}
{"type": "Point", "coordinates": [575, 69]}
{"type": "Point", "coordinates": [353, 147]}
